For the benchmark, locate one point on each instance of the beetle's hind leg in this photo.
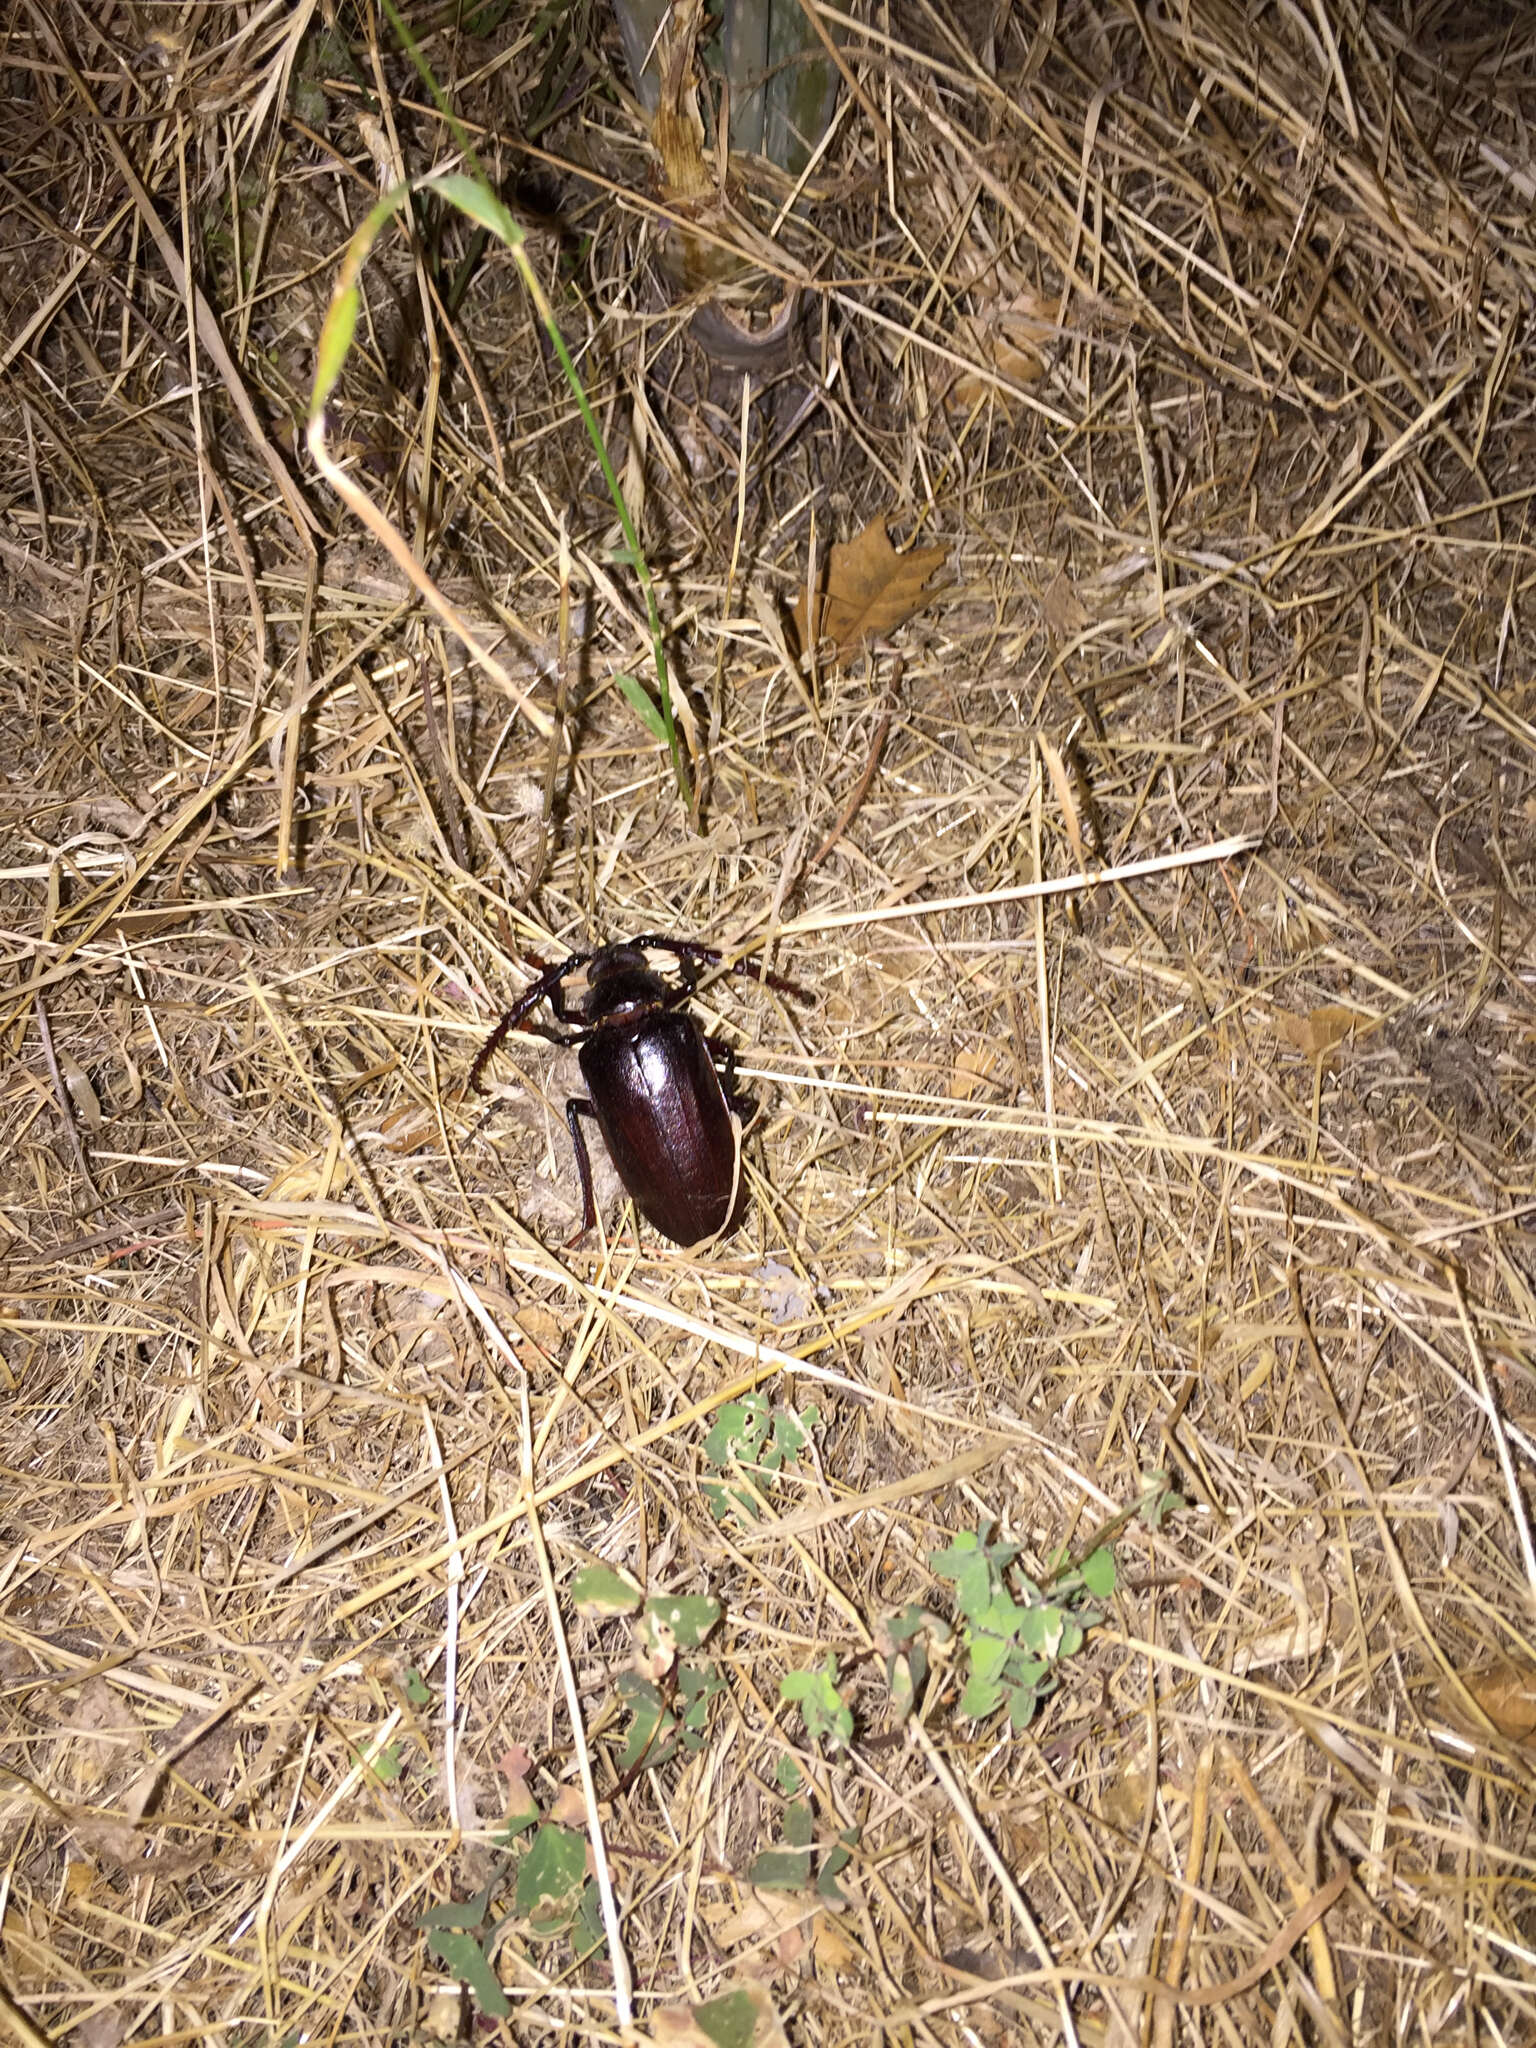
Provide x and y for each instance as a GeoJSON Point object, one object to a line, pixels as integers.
{"type": "Point", "coordinates": [578, 1106]}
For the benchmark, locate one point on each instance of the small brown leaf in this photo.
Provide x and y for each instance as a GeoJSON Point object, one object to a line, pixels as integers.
{"type": "Point", "coordinates": [110, 1841]}
{"type": "Point", "coordinates": [515, 1764]}
{"type": "Point", "coordinates": [1010, 337]}
{"type": "Point", "coordinates": [521, 1806]}
{"type": "Point", "coordinates": [778, 1915]}
{"type": "Point", "coordinates": [540, 1325]}
{"type": "Point", "coordinates": [1124, 1797]}
{"type": "Point", "coordinates": [106, 1731]}
{"type": "Point", "coordinates": [1064, 612]}
{"type": "Point", "coordinates": [742, 2013]}
{"type": "Point", "coordinates": [868, 590]}
{"type": "Point", "coordinates": [834, 1953]}
{"type": "Point", "coordinates": [570, 1808]}
{"type": "Point", "coordinates": [1320, 1030]}
{"type": "Point", "coordinates": [1507, 1695]}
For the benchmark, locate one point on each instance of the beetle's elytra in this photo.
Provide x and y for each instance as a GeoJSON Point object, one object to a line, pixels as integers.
{"type": "Point", "coordinates": [652, 1080]}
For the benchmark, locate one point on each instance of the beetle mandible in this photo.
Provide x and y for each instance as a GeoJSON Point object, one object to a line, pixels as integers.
{"type": "Point", "coordinates": [653, 1086]}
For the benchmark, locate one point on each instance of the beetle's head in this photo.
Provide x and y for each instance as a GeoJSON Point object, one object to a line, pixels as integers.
{"type": "Point", "coordinates": [618, 979]}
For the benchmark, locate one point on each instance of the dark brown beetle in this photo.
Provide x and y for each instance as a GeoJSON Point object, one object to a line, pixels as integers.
{"type": "Point", "coordinates": [654, 1086]}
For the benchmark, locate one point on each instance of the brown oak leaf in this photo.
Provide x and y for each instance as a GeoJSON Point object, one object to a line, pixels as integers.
{"type": "Point", "coordinates": [1506, 1692]}
{"type": "Point", "coordinates": [867, 590]}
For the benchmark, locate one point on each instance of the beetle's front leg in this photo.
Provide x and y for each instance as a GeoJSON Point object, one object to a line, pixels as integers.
{"type": "Point", "coordinates": [578, 1106]}
{"type": "Point", "coordinates": [693, 959]}
{"type": "Point", "coordinates": [547, 987]}
{"type": "Point", "coordinates": [563, 1012]}
{"type": "Point", "coordinates": [554, 1037]}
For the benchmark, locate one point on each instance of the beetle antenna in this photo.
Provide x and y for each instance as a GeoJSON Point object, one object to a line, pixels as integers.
{"type": "Point", "coordinates": [751, 970]}
{"type": "Point", "coordinates": [689, 949]}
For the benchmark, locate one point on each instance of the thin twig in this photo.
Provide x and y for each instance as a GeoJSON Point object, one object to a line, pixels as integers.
{"type": "Point", "coordinates": [856, 795]}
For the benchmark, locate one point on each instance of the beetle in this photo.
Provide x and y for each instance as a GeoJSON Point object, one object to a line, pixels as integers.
{"type": "Point", "coordinates": [654, 1089]}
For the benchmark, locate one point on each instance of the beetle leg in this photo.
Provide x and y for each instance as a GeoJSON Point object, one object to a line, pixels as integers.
{"type": "Point", "coordinates": [690, 952]}
{"type": "Point", "coordinates": [684, 949]}
{"type": "Point", "coordinates": [548, 1031]}
{"type": "Point", "coordinates": [724, 1056]}
{"type": "Point", "coordinates": [578, 1106]}
{"type": "Point", "coordinates": [692, 959]}
{"type": "Point", "coordinates": [743, 1107]}
{"type": "Point", "coordinates": [557, 994]}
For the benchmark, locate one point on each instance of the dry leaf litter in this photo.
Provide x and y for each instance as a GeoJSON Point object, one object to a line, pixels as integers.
{"type": "Point", "coordinates": [1192, 348]}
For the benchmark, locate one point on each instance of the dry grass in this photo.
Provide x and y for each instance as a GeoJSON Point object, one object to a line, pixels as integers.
{"type": "Point", "coordinates": [1203, 337]}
